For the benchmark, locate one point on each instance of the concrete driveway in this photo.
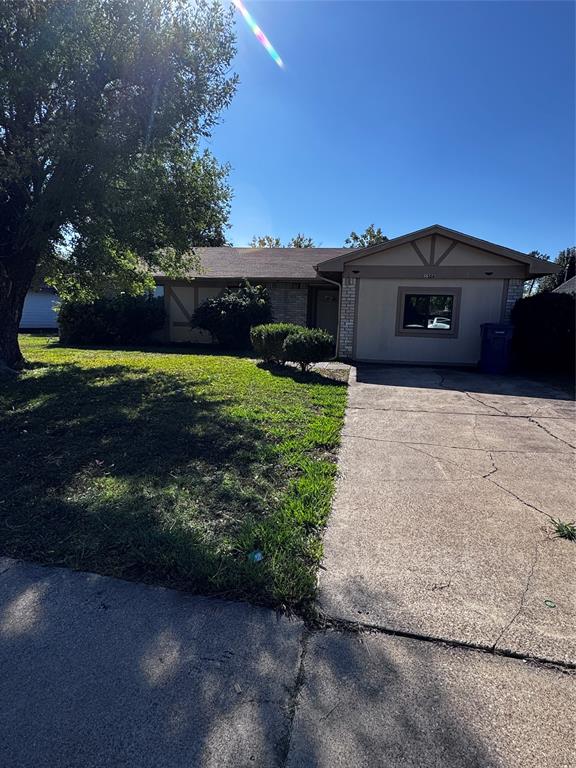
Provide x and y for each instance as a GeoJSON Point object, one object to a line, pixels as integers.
{"type": "Point", "coordinates": [441, 523]}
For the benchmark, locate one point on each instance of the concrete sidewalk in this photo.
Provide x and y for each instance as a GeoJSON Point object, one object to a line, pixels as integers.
{"type": "Point", "coordinates": [97, 672]}
{"type": "Point", "coordinates": [441, 522]}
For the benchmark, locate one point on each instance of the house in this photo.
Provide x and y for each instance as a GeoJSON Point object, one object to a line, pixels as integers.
{"type": "Point", "coordinates": [39, 312]}
{"type": "Point", "coordinates": [567, 287]}
{"type": "Point", "coordinates": [419, 298]}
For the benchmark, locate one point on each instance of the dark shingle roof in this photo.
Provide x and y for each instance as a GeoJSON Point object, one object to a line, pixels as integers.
{"type": "Point", "coordinates": [263, 263]}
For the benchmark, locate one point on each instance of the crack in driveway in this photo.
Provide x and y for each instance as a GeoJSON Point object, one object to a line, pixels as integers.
{"type": "Point", "coordinates": [522, 598]}
{"type": "Point", "coordinates": [534, 421]}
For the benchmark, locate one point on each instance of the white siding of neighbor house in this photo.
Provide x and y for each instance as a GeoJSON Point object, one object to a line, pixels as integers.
{"type": "Point", "coordinates": [375, 333]}
{"type": "Point", "coordinates": [39, 311]}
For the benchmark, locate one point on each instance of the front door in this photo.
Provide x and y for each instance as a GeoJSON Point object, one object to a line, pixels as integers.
{"type": "Point", "coordinates": [327, 309]}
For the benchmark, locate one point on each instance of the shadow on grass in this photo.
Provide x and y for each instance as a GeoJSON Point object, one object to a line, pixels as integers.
{"type": "Point", "coordinates": [305, 377]}
{"type": "Point", "coordinates": [133, 473]}
{"type": "Point", "coordinates": [164, 348]}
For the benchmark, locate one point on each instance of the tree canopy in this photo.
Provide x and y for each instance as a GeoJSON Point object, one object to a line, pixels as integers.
{"type": "Point", "coordinates": [103, 105]}
{"type": "Point", "coordinates": [567, 260]}
{"type": "Point", "coordinates": [269, 241]}
{"type": "Point", "coordinates": [265, 241]}
{"type": "Point", "coordinates": [301, 241]}
{"type": "Point", "coordinates": [370, 236]}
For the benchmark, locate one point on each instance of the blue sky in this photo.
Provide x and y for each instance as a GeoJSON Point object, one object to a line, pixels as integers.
{"type": "Point", "coordinates": [405, 114]}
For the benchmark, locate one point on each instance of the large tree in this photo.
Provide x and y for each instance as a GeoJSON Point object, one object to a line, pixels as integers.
{"type": "Point", "coordinates": [370, 236]}
{"type": "Point", "coordinates": [102, 107]}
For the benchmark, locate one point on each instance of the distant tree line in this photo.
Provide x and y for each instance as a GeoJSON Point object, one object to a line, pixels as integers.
{"type": "Point", "coordinates": [370, 236]}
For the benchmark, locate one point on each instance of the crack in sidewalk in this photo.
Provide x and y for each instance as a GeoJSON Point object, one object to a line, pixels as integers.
{"type": "Point", "coordinates": [283, 747]}
{"type": "Point", "coordinates": [322, 623]}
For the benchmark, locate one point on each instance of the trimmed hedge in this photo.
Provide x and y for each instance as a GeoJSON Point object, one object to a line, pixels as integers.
{"type": "Point", "coordinates": [230, 316]}
{"type": "Point", "coordinates": [268, 340]}
{"type": "Point", "coordinates": [307, 346]}
{"type": "Point", "coordinates": [544, 333]}
{"type": "Point", "coordinates": [112, 320]}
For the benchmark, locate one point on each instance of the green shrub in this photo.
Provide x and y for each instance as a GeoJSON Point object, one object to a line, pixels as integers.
{"type": "Point", "coordinates": [307, 346]}
{"type": "Point", "coordinates": [268, 340]}
{"type": "Point", "coordinates": [230, 316]}
{"type": "Point", "coordinates": [544, 335]}
{"type": "Point", "coordinates": [112, 320]}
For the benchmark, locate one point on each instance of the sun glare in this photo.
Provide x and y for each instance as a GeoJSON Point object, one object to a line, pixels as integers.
{"type": "Point", "coordinates": [258, 32]}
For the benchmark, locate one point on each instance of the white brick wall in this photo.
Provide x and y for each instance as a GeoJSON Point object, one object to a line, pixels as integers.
{"type": "Point", "coordinates": [347, 313]}
{"type": "Point", "coordinates": [515, 292]}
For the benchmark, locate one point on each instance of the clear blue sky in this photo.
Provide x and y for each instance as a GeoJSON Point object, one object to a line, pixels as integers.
{"type": "Point", "coordinates": [405, 114]}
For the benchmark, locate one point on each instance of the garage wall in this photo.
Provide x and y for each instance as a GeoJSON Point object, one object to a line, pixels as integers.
{"type": "Point", "coordinates": [375, 337]}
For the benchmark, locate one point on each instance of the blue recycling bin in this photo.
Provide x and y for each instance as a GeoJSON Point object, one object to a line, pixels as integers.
{"type": "Point", "coordinates": [496, 347]}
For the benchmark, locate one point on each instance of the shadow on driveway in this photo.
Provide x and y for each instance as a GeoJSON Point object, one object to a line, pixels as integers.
{"type": "Point", "coordinates": [463, 380]}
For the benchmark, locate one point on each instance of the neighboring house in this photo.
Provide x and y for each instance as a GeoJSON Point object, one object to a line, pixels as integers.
{"type": "Point", "coordinates": [568, 287]}
{"type": "Point", "coordinates": [419, 298]}
{"type": "Point", "coordinates": [39, 309]}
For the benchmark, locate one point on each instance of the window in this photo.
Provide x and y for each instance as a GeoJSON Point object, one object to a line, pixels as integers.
{"type": "Point", "coordinates": [428, 312]}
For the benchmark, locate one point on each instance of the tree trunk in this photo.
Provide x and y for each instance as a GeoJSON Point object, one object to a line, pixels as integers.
{"type": "Point", "coordinates": [15, 280]}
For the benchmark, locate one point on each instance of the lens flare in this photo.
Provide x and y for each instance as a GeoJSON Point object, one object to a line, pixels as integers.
{"type": "Point", "coordinates": [258, 32]}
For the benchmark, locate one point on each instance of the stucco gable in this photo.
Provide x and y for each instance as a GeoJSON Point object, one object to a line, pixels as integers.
{"type": "Point", "coordinates": [434, 246]}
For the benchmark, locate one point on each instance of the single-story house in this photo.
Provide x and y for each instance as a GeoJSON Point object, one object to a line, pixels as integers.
{"type": "Point", "coordinates": [419, 298]}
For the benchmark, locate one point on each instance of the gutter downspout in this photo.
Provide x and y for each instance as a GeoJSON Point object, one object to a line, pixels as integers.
{"type": "Point", "coordinates": [339, 286]}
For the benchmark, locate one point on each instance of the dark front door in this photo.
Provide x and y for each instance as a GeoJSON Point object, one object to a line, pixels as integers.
{"type": "Point", "coordinates": [327, 310]}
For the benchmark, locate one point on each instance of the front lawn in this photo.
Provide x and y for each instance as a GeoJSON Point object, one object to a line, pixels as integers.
{"type": "Point", "coordinates": [169, 467]}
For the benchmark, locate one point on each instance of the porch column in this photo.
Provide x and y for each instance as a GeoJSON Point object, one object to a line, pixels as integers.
{"type": "Point", "coordinates": [515, 292]}
{"type": "Point", "coordinates": [347, 316]}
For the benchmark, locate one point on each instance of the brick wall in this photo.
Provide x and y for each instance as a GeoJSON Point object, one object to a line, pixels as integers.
{"type": "Point", "coordinates": [515, 291]}
{"type": "Point", "coordinates": [289, 302]}
{"type": "Point", "coordinates": [347, 314]}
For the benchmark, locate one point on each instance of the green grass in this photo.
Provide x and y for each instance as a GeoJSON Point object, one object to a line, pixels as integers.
{"type": "Point", "coordinates": [564, 530]}
{"type": "Point", "coordinates": [169, 467]}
